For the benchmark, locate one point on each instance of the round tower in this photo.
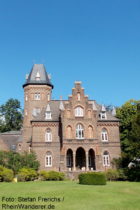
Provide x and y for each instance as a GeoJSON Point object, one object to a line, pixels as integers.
{"type": "Point", "coordinates": [37, 93]}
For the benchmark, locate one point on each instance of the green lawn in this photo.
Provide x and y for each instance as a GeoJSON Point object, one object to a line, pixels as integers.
{"type": "Point", "coordinates": [113, 196]}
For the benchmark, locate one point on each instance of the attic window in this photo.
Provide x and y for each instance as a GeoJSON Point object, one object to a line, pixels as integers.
{"type": "Point", "coordinates": [103, 115]}
{"type": "Point", "coordinates": [48, 116]}
{"type": "Point", "coordinates": [37, 78]}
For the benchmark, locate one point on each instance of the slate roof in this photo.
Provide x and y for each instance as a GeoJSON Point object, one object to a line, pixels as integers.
{"type": "Point", "coordinates": [109, 115]}
{"type": "Point", "coordinates": [55, 112]}
{"type": "Point", "coordinates": [38, 69]}
{"type": "Point", "coordinates": [11, 139]}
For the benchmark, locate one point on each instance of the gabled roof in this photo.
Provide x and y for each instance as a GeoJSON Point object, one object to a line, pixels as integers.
{"type": "Point", "coordinates": [38, 75]}
{"type": "Point", "coordinates": [11, 138]}
{"type": "Point", "coordinates": [54, 109]}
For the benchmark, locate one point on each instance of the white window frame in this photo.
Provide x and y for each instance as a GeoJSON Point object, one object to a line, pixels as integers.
{"type": "Point", "coordinates": [48, 161]}
{"type": "Point", "coordinates": [103, 115]}
{"type": "Point", "coordinates": [79, 111]}
{"type": "Point", "coordinates": [37, 96]}
{"type": "Point", "coordinates": [48, 135]}
{"type": "Point", "coordinates": [48, 116]}
{"type": "Point", "coordinates": [106, 160]}
{"type": "Point", "coordinates": [104, 135]}
{"type": "Point", "coordinates": [79, 131]}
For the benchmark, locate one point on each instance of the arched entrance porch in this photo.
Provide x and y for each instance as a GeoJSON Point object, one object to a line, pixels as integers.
{"type": "Point", "coordinates": [80, 159]}
{"type": "Point", "coordinates": [91, 160]}
{"type": "Point", "coordinates": [69, 159]}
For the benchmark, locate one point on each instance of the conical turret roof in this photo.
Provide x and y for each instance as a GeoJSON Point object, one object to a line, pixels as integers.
{"type": "Point", "coordinates": [38, 75]}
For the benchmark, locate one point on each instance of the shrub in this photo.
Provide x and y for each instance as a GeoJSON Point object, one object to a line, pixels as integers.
{"type": "Point", "coordinates": [6, 174]}
{"type": "Point", "coordinates": [112, 174]}
{"type": "Point", "coordinates": [122, 175]}
{"type": "Point", "coordinates": [27, 174]}
{"type": "Point", "coordinates": [51, 175]}
{"type": "Point", "coordinates": [43, 175]}
{"type": "Point", "coordinates": [92, 178]}
{"type": "Point", "coordinates": [133, 174]}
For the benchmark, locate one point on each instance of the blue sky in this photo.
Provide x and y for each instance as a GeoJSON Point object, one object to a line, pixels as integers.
{"type": "Point", "coordinates": [96, 42]}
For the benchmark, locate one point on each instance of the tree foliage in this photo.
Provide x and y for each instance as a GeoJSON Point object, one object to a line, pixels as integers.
{"type": "Point", "coordinates": [16, 161]}
{"type": "Point", "coordinates": [10, 116]}
{"type": "Point", "coordinates": [129, 115]}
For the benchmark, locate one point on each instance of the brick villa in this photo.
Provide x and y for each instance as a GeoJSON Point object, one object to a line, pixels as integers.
{"type": "Point", "coordinates": [67, 135]}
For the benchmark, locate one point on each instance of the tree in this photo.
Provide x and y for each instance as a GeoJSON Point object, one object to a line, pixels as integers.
{"type": "Point", "coordinates": [134, 135]}
{"type": "Point", "coordinates": [16, 161]}
{"type": "Point", "coordinates": [128, 113]}
{"type": "Point", "coordinates": [10, 116]}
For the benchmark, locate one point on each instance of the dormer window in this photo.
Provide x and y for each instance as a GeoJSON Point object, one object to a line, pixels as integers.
{"type": "Point", "coordinates": [37, 96]}
{"type": "Point", "coordinates": [79, 112]}
{"type": "Point", "coordinates": [37, 78]}
{"type": "Point", "coordinates": [48, 116]}
{"type": "Point", "coordinates": [103, 115]}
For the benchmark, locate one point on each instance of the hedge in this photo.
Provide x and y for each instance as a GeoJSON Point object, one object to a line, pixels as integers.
{"type": "Point", "coordinates": [51, 175]}
{"type": "Point", "coordinates": [92, 178]}
{"type": "Point", "coordinates": [27, 174]}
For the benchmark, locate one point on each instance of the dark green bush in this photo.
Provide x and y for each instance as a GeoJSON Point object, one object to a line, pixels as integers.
{"type": "Point", "coordinates": [112, 174]}
{"type": "Point", "coordinates": [133, 174]}
{"type": "Point", "coordinates": [51, 175]}
{"type": "Point", "coordinates": [27, 174]}
{"type": "Point", "coordinates": [6, 175]}
{"type": "Point", "coordinates": [92, 178]}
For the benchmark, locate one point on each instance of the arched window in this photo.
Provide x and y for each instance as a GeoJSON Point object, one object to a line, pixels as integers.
{"type": "Point", "coordinates": [69, 158]}
{"type": "Point", "coordinates": [106, 159]}
{"type": "Point", "coordinates": [90, 132]}
{"type": "Point", "coordinates": [79, 112]}
{"type": "Point", "coordinates": [69, 132]}
{"type": "Point", "coordinates": [48, 97]}
{"type": "Point", "coordinates": [104, 135]}
{"type": "Point", "coordinates": [48, 135]}
{"type": "Point", "coordinates": [78, 96]}
{"type": "Point", "coordinates": [79, 131]}
{"type": "Point", "coordinates": [48, 159]}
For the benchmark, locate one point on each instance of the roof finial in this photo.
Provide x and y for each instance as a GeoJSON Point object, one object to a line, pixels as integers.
{"type": "Point", "coordinates": [94, 106]}
{"type": "Point", "coordinates": [114, 111]}
{"type": "Point", "coordinates": [61, 105]}
{"type": "Point", "coordinates": [103, 108]}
